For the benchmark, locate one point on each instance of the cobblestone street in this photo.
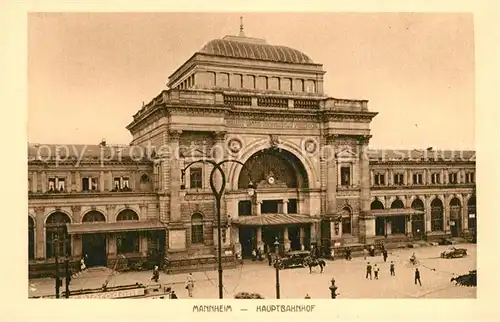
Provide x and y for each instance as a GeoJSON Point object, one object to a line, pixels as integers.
{"type": "Point", "coordinates": [296, 283]}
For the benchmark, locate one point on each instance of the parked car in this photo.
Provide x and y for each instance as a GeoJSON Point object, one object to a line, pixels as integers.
{"type": "Point", "coordinates": [294, 259]}
{"type": "Point", "coordinates": [453, 252]}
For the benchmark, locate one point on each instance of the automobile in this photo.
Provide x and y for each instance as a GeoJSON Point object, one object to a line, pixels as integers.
{"type": "Point", "coordinates": [294, 259]}
{"type": "Point", "coordinates": [453, 252]}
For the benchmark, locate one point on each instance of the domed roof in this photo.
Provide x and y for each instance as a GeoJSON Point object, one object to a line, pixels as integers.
{"type": "Point", "coordinates": [249, 48]}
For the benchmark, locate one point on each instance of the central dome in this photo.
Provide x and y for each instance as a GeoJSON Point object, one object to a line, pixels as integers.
{"type": "Point", "coordinates": [251, 48]}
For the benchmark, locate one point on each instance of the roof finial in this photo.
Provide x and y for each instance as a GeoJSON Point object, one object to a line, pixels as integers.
{"type": "Point", "coordinates": [242, 34]}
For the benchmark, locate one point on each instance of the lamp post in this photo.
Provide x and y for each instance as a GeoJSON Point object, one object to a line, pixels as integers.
{"type": "Point", "coordinates": [218, 193]}
{"type": "Point", "coordinates": [277, 267]}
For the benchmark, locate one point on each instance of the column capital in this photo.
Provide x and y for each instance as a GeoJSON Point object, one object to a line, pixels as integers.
{"type": "Point", "coordinates": [174, 135]}
{"type": "Point", "coordinates": [39, 209]}
{"type": "Point", "coordinates": [76, 208]}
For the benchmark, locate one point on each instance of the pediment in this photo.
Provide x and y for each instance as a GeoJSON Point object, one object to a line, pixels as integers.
{"type": "Point", "coordinates": [192, 153]}
{"type": "Point", "coordinates": [345, 153]}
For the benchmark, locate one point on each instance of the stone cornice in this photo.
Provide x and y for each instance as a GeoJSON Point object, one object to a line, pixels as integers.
{"type": "Point", "coordinates": [425, 187]}
{"type": "Point", "coordinates": [348, 115]}
{"type": "Point", "coordinates": [87, 195]}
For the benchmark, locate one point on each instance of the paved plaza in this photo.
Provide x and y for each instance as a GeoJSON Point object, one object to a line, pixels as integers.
{"type": "Point", "coordinates": [295, 283]}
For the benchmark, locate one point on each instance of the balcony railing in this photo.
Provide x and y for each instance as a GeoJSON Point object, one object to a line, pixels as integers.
{"type": "Point", "coordinates": [237, 100]}
{"type": "Point", "coordinates": [272, 102]}
{"type": "Point", "coordinates": [312, 104]}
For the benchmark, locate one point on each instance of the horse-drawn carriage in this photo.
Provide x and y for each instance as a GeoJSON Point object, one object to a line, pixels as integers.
{"type": "Point", "coordinates": [293, 259]}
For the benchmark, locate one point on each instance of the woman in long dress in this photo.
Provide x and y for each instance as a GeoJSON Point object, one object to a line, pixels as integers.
{"type": "Point", "coordinates": [190, 284]}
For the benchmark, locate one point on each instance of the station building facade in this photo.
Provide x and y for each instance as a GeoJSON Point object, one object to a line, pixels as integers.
{"type": "Point", "coordinates": [306, 154]}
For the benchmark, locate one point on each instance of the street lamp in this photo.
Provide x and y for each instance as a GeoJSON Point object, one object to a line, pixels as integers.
{"type": "Point", "coordinates": [218, 193]}
{"type": "Point", "coordinates": [277, 267]}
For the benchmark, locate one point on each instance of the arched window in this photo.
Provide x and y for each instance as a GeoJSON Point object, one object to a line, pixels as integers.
{"type": "Point", "coordinates": [56, 235]}
{"type": "Point", "coordinates": [31, 238]}
{"type": "Point", "coordinates": [93, 216]}
{"type": "Point", "coordinates": [417, 221]}
{"type": "Point", "coordinates": [144, 179]}
{"type": "Point", "coordinates": [397, 204]}
{"type": "Point", "coordinates": [455, 216]}
{"type": "Point", "coordinates": [127, 242]}
{"type": "Point", "coordinates": [346, 220]}
{"type": "Point", "coordinates": [196, 229]}
{"type": "Point", "coordinates": [437, 222]}
{"type": "Point", "coordinates": [376, 204]}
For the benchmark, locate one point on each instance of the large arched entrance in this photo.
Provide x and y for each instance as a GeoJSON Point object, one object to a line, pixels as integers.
{"type": "Point", "coordinates": [379, 221]}
{"type": "Point", "coordinates": [31, 238]}
{"type": "Point", "coordinates": [94, 245]}
{"type": "Point", "coordinates": [396, 224]}
{"type": "Point", "coordinates": [418, 221]}
{"type": "Point", "coordinates": [57, 240]}
{"type": "Point", "coordinates": [455, 217]}
{"type": "Point", "coordinates": [127, 242]}
{"type": "Point", "coordinates": [280, 177]}
{"type": "Point", "coordinates": [472, 214]}
{"type": "Point", "coordinates": [437, 220]}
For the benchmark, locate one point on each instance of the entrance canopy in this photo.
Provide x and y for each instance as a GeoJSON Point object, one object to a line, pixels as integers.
{"type": "Point", "coordinates": [396, 212]}
{"type": "Point", "coordinates": [273, 219]}
{"type": "Point", "coordinates": [119, 226]}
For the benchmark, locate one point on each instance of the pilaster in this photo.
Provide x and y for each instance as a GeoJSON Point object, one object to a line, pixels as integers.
{"type": "Point", "coordinates": [39, 232]}
{"type": "Point", "coordinates": [332, 177]}
{"type": "Point", "coordinates": [175, 176]}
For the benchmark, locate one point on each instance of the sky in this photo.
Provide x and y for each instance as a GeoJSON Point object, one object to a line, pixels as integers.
{"type": "Point", "coordinates": [88, 73]}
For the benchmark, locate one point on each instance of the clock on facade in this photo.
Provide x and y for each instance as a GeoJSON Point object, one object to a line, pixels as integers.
{"type": "Point", "coordinates": [271, 180]}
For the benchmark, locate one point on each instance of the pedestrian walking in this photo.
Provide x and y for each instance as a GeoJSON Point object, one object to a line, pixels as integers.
{"type": "Point", "coordinates": [269, 258]}
{"type": "Point", "coordinates": [332, 253]}
{"type": "Point", "coordinates": [372, 250]}
{"type": "Point", "coordinates": [82, 264]}
{"type": "Point", "coordinates": [375, 271]}
{"type": "Point", "coordinates": [254, 255]}
{"type": "Point", "coordinates": [391, 269]}
{"type": "Point", "coordinates": [333, 289]}
{"type": "Point", "coordinates": [349, 253]}
{"type": "Point", "coordinates": [384, 253]}
{"type": "Point", "coordinates": [368, 270]}
{"type": "Point", "coordinates": [417, 277]}
{"type": "Point", "coordinates": [302, 247]}
{"type": "Point", "coordinates": [190, 284]}
{"type": "Point", "coordinates": [156, 274]}
{"type": "Point", "coordinates": [365, 253]}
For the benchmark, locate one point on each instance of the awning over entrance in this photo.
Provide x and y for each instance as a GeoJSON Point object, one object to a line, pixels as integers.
{"type": "Point", "coordinates": [106, 227]}
{"type": "Point", "coordinates": [396, 212]}
{"type": "Point", "coordinates": [273, 219]}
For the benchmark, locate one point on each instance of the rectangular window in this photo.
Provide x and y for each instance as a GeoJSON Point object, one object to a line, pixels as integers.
{"type": "Point", "coordinates": [245, 208]}
{"type": "Point", "coordinates": [127, 242]}
{"type": "Point", "coordinates": [195, 178]}
{"type": "Point", "coordinates": [292, 206]}
{"type": "Point", "coordinates": [286, 85]}
{"type": "Point", "coordinates": [379, 179]}
{"type": "Point", "coordinates": [345, 176]}
{"type": "Point", "coordinates": [120, 184]}
{"type": "Point", "coordinates": [453, 178]}
{"type": "Point", "coordinates": [346, 225]}
{"type": "Point", "coordinates": [197, 234]}
{"type": "Point", "coordinates": [125, 184]}
{"type": "Point", "coordinates": [417, 178]}
{"type": "Point", "coordinates": [435, 178]}
{"type": "Point", "coordinates": [469, 177]}
{"type": "Point", "coordinates": [399, 178]}
{"type": "Point", "coordinates": [52, 184]}
{"type": "Point", "coordinates": [89, 184]}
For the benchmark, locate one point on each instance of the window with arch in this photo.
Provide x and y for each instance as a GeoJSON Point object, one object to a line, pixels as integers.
{"type": "Point", "coordinates": [127, 242]}
{"type": "Point", "coordinates": [346, 220]}
{"type": "Point", "coordinates": [196, 229]}
{"type": "Point", "coordinates": [144, 179]}
{"type": "Point", "coordinates": [437, 220]}
{"type": "Point", "coordinates": [31, 238]}
{"type": "Point", "coordinates": [93, 216]}
{"type": "Point", "coordinates": [57, 239]}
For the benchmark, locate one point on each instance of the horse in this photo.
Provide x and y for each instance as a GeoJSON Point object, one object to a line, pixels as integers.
{"type": "Point", "coordinates": [313, 262]}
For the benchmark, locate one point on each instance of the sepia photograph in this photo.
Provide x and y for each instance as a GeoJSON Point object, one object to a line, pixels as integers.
{"type": "Point", "coordinates": [251, 156]}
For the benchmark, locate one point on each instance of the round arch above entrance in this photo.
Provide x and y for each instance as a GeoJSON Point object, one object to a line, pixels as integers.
{"type": "Point", "coordinates": [397, 204]}
{"type": "Point", "coordinates": [281, 164]}
{"type": "Point", "coordinates": [127, 214]}
{"type": "Point", "coordinates": [418, 204]}
{"type": "Point", "coordinates": [235, 170]}
{"type": "Point", "coordinates": [57, 240]}
{"type": "Point", "coordinates": [376, 204]}
{"type": "Point", "coordinates": [94, 216]}
{"type": "Point", "coordinates": [455, 217]}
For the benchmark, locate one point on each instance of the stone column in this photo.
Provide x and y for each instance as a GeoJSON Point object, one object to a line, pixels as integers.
{"type": "Point", "coordinates": [101, 181]}
{"type": "Point", "coordinates": [386, 177]}
{"type": "Point", "coordinates": [427, 216]}
{"type": "Point", "coordinates": [143, 244]}
{"type": "Point", "coordinates": [144, 211]}
{"type": "Point", "coordinates": [408, 226]}
{"type": "Point", "coordinates": [110, 181]}
{"type": "Point", "coordinates": [424, 176]}
{"type": "Point", "coordinates": [77, 247]}
{"type": "Point", "coordinates": [111, 245]}
{"type": "Point", "coordinates": [465, 218]}
{"type": "Point", "coordinates": [302, 234]}
{"type": "Point", "coordinates": [285, 207]}
{"type": "Point", "coordinates": [40, 233]}
{"type": "Point", "coordinates": [34, 182]}
{"type": "Point", "coordinates": [441, 173]}
{"type": "Point", "coordinates": [331, 177]}
{"type": "Point", "coordinates": [446, 217]}
{"type": "Point", "coordinates": [286, 241]}
{"type": "Point", "coordinates": [446, 177]}
{"type": "Point", "coordinates": [175, 176]}
{"type": "Point", "coordinates": [44, 182]}
{"type": "Point", "coordinates": [258, 209]}
{"type": "Point", "coordinates": [260, 243]}
{"type": "Point", "coordinates": [410, 177]}
{"type": "Point", "coordinates": [365, 219]}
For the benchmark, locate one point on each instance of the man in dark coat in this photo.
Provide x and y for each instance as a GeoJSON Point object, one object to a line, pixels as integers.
{"type": "Point", "coordinates": [369, 270]}
{"type": "Point", "coordinates": [417, 277]}
{"type": "Point", "coordinates": [333, 289]}
{"type": "Point", "coordinates": [384, 253]}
